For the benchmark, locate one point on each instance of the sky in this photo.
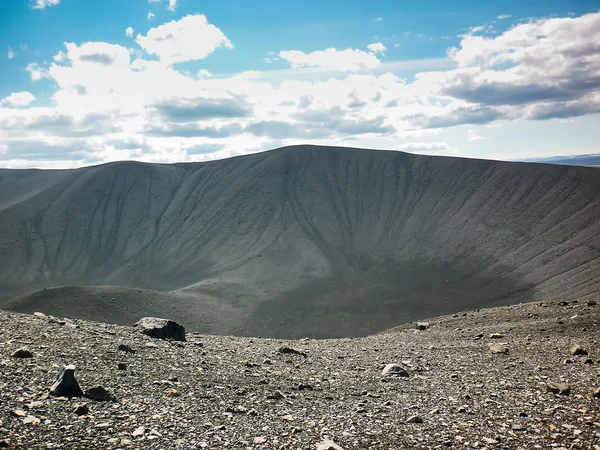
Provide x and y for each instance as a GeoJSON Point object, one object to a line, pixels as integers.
{"type": "Point", "coordinates": [94, 81]}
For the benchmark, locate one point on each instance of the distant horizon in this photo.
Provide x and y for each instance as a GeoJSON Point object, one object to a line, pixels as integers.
{"type": "Point", "coordinates": [558, 160]}
{"type": "Point", "coordinates": [171, 81]}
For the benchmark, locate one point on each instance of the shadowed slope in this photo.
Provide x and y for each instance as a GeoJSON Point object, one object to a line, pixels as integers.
{"type": "Point", "coordinates": [310, 240]}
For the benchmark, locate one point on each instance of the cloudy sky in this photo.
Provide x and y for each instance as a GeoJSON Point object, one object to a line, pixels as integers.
{"type": "Point", "coordinates": [86, 82]}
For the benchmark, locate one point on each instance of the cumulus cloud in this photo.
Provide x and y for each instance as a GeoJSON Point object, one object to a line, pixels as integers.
{"type": "Point", "coordinates": [349, 60]}
{"type": "Point", "coordinates": [112, 102]}
{"type": "Point", "coordinates": [18, 99]}
{"type": "Point", "coordinates": [377, 47]}
{"type": "Point", "coordinates": [41, 4]}
{"type": "Point", "coordinates": [504, 16]}
{"type": "Point", "coordinates": [188, 39]}
{"type": "Point", "coordinates": [11, 53]}
{"type": "Point", "coordinates": [379, 19]}
{"type": "Point", "coordinates": [36, 73]}
{"type": "Point", "coordinates": [129, 32]}
{"type": "Point", "coordinates": [172, 5]}
{"type": "Point", "coordinates": [150, 15]}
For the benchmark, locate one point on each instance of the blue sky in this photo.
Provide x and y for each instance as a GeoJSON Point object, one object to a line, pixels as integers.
{"type": "Point", "coordinates": [84, 82]}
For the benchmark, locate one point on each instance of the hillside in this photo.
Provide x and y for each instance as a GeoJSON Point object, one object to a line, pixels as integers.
{"type": "Point", "coordinates": [299, 241]}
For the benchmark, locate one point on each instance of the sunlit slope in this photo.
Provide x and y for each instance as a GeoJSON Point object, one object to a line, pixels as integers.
{"type": "Point", "coordinates": [309, 240]}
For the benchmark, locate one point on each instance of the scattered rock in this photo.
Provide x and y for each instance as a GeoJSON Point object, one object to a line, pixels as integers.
{"type": "Point", "coordinates": [40, 315]}
{"type": "Point", "coordinates": [576, 350]}
{"type": "Point", "coordinates": [305, 387]}
{"type": "Point", "coordinates": [394, 370]}
{"type": "Point", "coordinates": [18, 413]}
{"type": "Point", "coordinates": [496, 336]}
{"type": "Point", "coordinates": [122, 366]}
{"type": "Point", "coordinates": [99, 394]}
{"type": "Point", "coordinates": [414, 419]}
{"type": "Point", "coordinates": [66, 384]}
{"type": "Point", "coordinates": [4, 443]}
{"type": "Point", "coordinates": [501, 349]}
{"type": "Point", "coordinates": [597, 393]}
{"type": "Point", "coordinates": [81, 410]}
{"type": "Point", "coordinates": [592, 302]}
{"type": "Point", "coordinates": [158, 328]}
{"type": "Point", "coordinates": [328, 445]}
{"type": "Point", "coordinates": [171, 392]}
{"type": "Point", "coordinates": [291, 351]}
{"type": "Point", "coordinates": [31, 420]}
{"type": "Point", "coordinates": [260, 440]}
{"type": "Point", "coordinates": [139, 431]}
{"type": "Point", "coordinates": [277, 395]}
{"type": "Point", "coordinates": [558, 388]}
{"type": "Point", "coordinates": [422, 326]}
{"type": "Point", "coordinates": [125, 348]}
{"type": "Point", "coordinates": [21, 353]}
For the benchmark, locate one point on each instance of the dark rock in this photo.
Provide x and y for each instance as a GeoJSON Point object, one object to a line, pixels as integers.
{"type": "Point", "coordinates": [597, 393]}
{"type": "Point", "coordinates": [125, 348]}
{"type": "Point", "coordinates": [394, 370]}
{"type": "Point", "coordinates": [161, 328]}
{"type": "Point", "coordinates": [576, 350]}
{"type": "Point", "coordinates": [122, 366]}
{"type": "Point", "coordinates": [291, 351]}
{"type": "Point", "coordinates": [305, 387]}
{"type": "Point", "coordinates": [4, 443]}
{"type": "Point", "coordinates": [66, 384]}
{"type": "Point", "coordinates": [422, 326]}
{"type": "Point", "coordinates": [21, 353]}
{"type": "Point", "coordinates": [277, 395]}
{"type": "Point", "coordinates": [589, 361]}
{"type": "Point", "coordinates": [496, 336]}
{"type": "Point", "coordinates": [414, 419]}
{"type": "Point", "coordinates": [99, 394]}
{"type": "Point", "coordinates": [558, 388]}
{"type": "Point", "coordinates": [81, 410]}
{"type": "Point", "coordinates": [592, 302]}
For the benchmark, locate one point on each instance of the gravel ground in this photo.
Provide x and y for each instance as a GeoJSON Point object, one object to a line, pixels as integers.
{"type": "Point", "coordinates": [229, 392]}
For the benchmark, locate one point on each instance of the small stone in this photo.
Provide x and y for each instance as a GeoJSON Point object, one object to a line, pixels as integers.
{"type": "Point", "coordinates": [597, 393]}
{"type": "Point", "coordinates": [4, 443]}
{"type": "Point", "coordinates": [291, 351]}
{"type": "Point", "coordinates": [394, 370]}
{"type": "Point", "coordinates": [496, 336]}
{"type": "Point", "coordinates": [122, 366]}
{"type": "Point", "coordinates": [40, 315]}
{"type": "Point", "coordinates": [592, 302]}
{"type": "Point", "coordinates": [66, 384]}
{"type": "Point", "coordinates": [99, 394]}
{"type": "Point", "coordinates": [288, 418]}
{"type": "Point", "coordinates": [260, 440]}
{"type": "Point", "coordinates": [305, 387]}
{"type": "Point", "coordinates": [171, 392]}
{"type": "Point", "coordinates": [558, 388]}
{"type": "Point", "coordinates": [18, 413]}
{"type": "Point", "coordinates": [81, 410]}
{"type": "Point", "coordinates": [500, 349]}
{"type": "Point", "coordinates": [21, 353]}
{"type": "Point", "coordinates": [277, 395]}
{"type": "Point", "coordinates": [31, 420]}
{"type": "Point", "coordinates": [161, 328]}
{"type": "Point", "coordinates": [139, 431]}
{"type": "Point", "coordinates": [125, 348]}
{"type": "Point", "coordinates": [422, 326]}
{"type": "Point", "coordinates": [576, 350]}
{"type": "Point", "coordinates": [414, 419]}
{"type": "Point", "coordinates": [489, 441]}
{"type": "Point", "coordinates": [328, 445]}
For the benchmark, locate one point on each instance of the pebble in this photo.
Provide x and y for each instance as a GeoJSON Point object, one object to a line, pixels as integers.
{"type": "Point", "coordinates": [558, 388]}
{"type": "Point", "coordinates": [98, 393]}
{"type": "Point", "coordinates": [81, 410]}
{"type": "Point", "coordinates": [414, 419]}
{"type": "Point", "coordinates": [576, 350]}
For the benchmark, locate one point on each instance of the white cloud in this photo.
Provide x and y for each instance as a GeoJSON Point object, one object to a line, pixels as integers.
{"type": "Point", "coordinates": [188, 39]}
{"type": "Point", "coordinates": [426, 148]}
{"type": "Point", "coordinates": [349, 60]}
{"type": "Point", "coordinates": [473, 136]}
{"type": "Point", "coordinates": [18, 99]}
{"type": "Point", "coordinates": [11, 53]}
{"type": "Point", "coordinates": [379, 19]}
{"type": "Point", "coordinates": [150, 15]}
{"type": "Point", "coordinates": [377, 47]}
{"type": "Point", "coordinates": [504, 16]}
{"type": "Point", "coordinates": [41, 4]}
{"type": "Point", "coordinates": [113, 103]}
{"type": "Point", "coordinates": [129, 32]}
{"type": "Point", "coordinates": [172, 5]}
{"type": "Point", "coordinates": [36, 72]}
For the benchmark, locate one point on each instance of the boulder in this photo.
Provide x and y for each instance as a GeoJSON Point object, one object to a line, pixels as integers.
{"type": "Point", "coordinates": [328, 445]}
{"type": "Point", "coordinates": [21, 353]}
{"type": "Point", "coordinates": [66, 384]}
{"type": "Point", "coordinates": [161, 328]}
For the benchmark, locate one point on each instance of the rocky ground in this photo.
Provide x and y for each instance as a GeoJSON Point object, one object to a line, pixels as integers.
{"type": "Point", "coordinates": [495, 378]}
